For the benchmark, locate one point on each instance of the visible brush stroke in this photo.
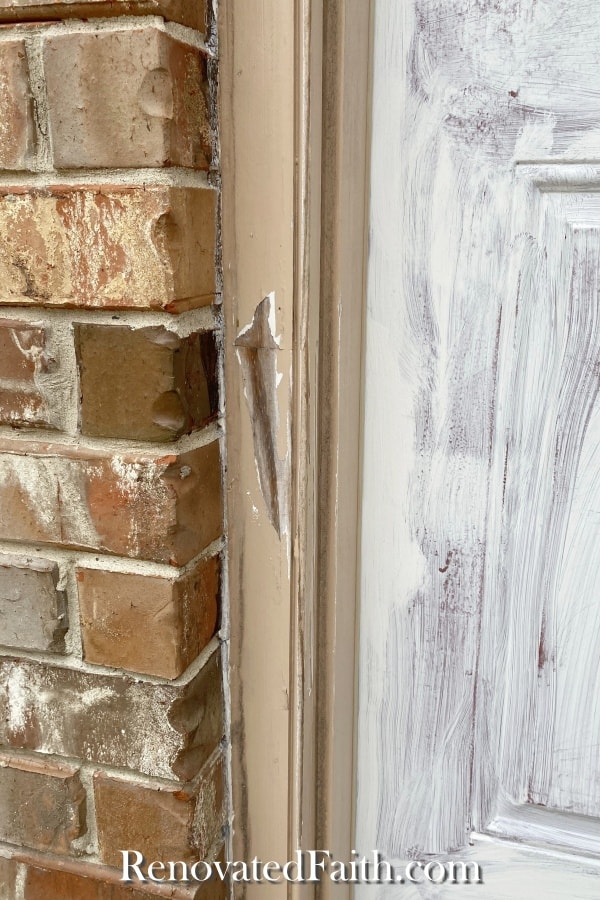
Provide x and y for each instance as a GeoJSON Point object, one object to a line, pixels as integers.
{"type": "Point", "coordinates": [480, 617]}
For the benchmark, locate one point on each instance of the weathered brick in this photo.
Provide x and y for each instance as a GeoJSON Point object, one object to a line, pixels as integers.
{"type": "Point", "coordinates": [146, 384]}
{"type": "Point", "coordinates": [100, 883]}
{"type": "Point", "coordinates": [165, 508]}
{"type": "Point", "coordinates": [135, 97]}
{"type": "Point", "coordinates": [8, 876]}
{"type": "Point", "coordinates": [16, 121]}
{"type": "Point", "coordinates": [28, 397]}
{"type": "Point", "coordinates": [22, 408]}
{"type": "Point", "coordinates": [161, 823]}
{"type": "Point", "coordinates": [48, 884]}
{"type": "Point", "coordinates": [177, 618]}
{"type": "Point", "coordinates": [22, 350]}
{"type": "Point", "coordinates": [165, 730]}
{"type": "Point", "coordinates": [33, 612]}
{"type": "Point", "coordinates": [187, 12]}
{"type": "Point", "coordinates": [109, 247]}
{"type": "Point", "coordinates": [53, 814]}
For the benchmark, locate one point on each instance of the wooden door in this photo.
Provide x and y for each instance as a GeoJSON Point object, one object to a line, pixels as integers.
{"type": "Point", "coordinates": [479, 672]}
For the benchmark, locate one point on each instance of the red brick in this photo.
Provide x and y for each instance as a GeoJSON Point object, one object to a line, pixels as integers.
{"type": "Point", "coordinates": [22, 350]}
{"type": "Point", "coordinates": [42, 804]}
{"type": "Point", "coordinates": [46, 884]}
{"type": "Point", "coordinates": [33, 612]}
{"type": "Point", "coordinates": [22, 408]}
{"type": "Point", "coordinates": [161, 823]}
{"type": "Point", "coordinates": [144, 384]}
{"type": "Point", "coordinates": [135, 97]}
{"type": "Point", "coordinates": [16, 122]}
{"type": "Point", "coordinates": [187, 12]}
{"type": "Point", "coordinates": [165, 730]}
{"type": "Point", "coordinates": [109, 247]}
{"type": "Point", "coordinates": [165, 508]}
{"type": "Point", "coordinates": [176, 616]}
{"type": "Point", "coordinates": [99, 883]}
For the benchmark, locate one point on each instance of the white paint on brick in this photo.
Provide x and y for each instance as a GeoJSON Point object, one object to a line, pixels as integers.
{"type": "Point", "coordinates": [18, 699]}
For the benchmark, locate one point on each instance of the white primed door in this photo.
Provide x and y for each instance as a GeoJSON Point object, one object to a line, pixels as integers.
{"type": "Point", "coordinates": [479, 670]}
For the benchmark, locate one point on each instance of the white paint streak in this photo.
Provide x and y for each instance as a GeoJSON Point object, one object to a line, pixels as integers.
{"type": "Point", "coordinates": [481, 489]}
{"type": "Point", "coordinates": [18, 699]}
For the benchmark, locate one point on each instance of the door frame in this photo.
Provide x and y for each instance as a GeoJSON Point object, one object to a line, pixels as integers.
{"type": "Point", "coordinates": [294, 88]}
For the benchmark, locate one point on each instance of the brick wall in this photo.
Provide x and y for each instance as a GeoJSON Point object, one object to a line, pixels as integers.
{"type": "Point", "coordinates": [111, 518]}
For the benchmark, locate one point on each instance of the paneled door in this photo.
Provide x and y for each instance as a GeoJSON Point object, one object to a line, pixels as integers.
{"type": "Point", "coordinates": [479, 655]}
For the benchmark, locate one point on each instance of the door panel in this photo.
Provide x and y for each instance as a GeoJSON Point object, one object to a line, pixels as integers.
{"type": "Point", "coordinates": [479, 684]}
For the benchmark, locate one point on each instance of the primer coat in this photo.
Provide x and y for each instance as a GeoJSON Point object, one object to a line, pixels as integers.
{"type": "Point", "coordinates": [480, 616]}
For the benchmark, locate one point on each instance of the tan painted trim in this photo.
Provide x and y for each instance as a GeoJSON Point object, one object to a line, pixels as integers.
{"type": "Point", "coordinates": [257, 140]}
{"type": "Point", "coordinates": [343, 265]}
{"type": "Point", "coordinates": [287, 218]}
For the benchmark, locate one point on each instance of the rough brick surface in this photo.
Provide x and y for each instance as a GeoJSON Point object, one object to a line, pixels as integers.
{"type": "Point", "coordinates": [144, 384]}
{"type": "Point", "coordinates": [22, 350]}
{"type": "Point", "coordinates": [165, 730]}
{"type": "Point", "coordinates": [42, 805]}
{"type": "Point", "coordinates": [22, 408]}
{"type": "Point", "coordinates": [33, 612]}
{"type": "Point", "coordinates": [28, 385]}
{"type": "Point", "coordinates": [8, 874]}
{"type": "Point", "coordinates": [162, 824]}
{"type": "Point", "coordinates": [16, 121]}
{"type": "Point", "coordinates": [135, 97]}
{"type": "Point", "coordinates": [187, 12]}
{"type": "Point", "coordinates": [110, 247]}
{"type": "Point", "coordinates": [46, 884]}
{"type": "Point", "coordinates": [177, 618]}
{"type": "Point", "coordinates": [166, 509]}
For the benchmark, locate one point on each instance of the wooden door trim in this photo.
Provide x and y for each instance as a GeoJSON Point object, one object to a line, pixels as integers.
{"type": "Point", "coordinates": [294, 109]}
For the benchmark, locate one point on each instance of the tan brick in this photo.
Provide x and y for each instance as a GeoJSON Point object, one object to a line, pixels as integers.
{"type": "Point", "coordinates": [33, 612]}
{"type": "Point", "coordinates": [166, 509]}
{"type": "Point", "coordinates": [187, 12]}
{"type": "Point", "coordinates": [135, 97]}
{"type": "Point", "coordinates": [165, 730]}
{"type": "Point", "coordinates": [145, 384]}
{"type": "Point", "coordinates": [161, 823]}
{"type": "Point", "coordinates": [177, 618]}
{"type": "Point", "coordinates": [16, 120]}
{"type": "Point", "coordinates": [8, 875]}
{"type": "Point", "coordinates": [109, 247]}
{"type": "Point", "coordinates": [42, 804]}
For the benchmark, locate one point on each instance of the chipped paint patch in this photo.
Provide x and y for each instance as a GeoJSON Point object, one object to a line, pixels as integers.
{"type": "Point", "coordinates": [257, 348]}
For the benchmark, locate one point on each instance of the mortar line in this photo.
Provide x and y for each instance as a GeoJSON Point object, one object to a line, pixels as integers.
{"type": "Point", "coordinates": [174, 176]}
{"type": "Point", "coordinates": [89, 867]}
{"type": "Point", "coordinates": [107, 25]}
{"type": "Point", "coordinates": [50, 443]}
{"type": "Point", "coordinates": [203, 319]}
{"type": "Point", "coordinates": [73, 664]}
{"type": "Point", "coordinates": [39, 98]}
{"type": "Point", "coordinates": [90, 559]}
{"type": "Point", "coordinates": [122, 773]}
